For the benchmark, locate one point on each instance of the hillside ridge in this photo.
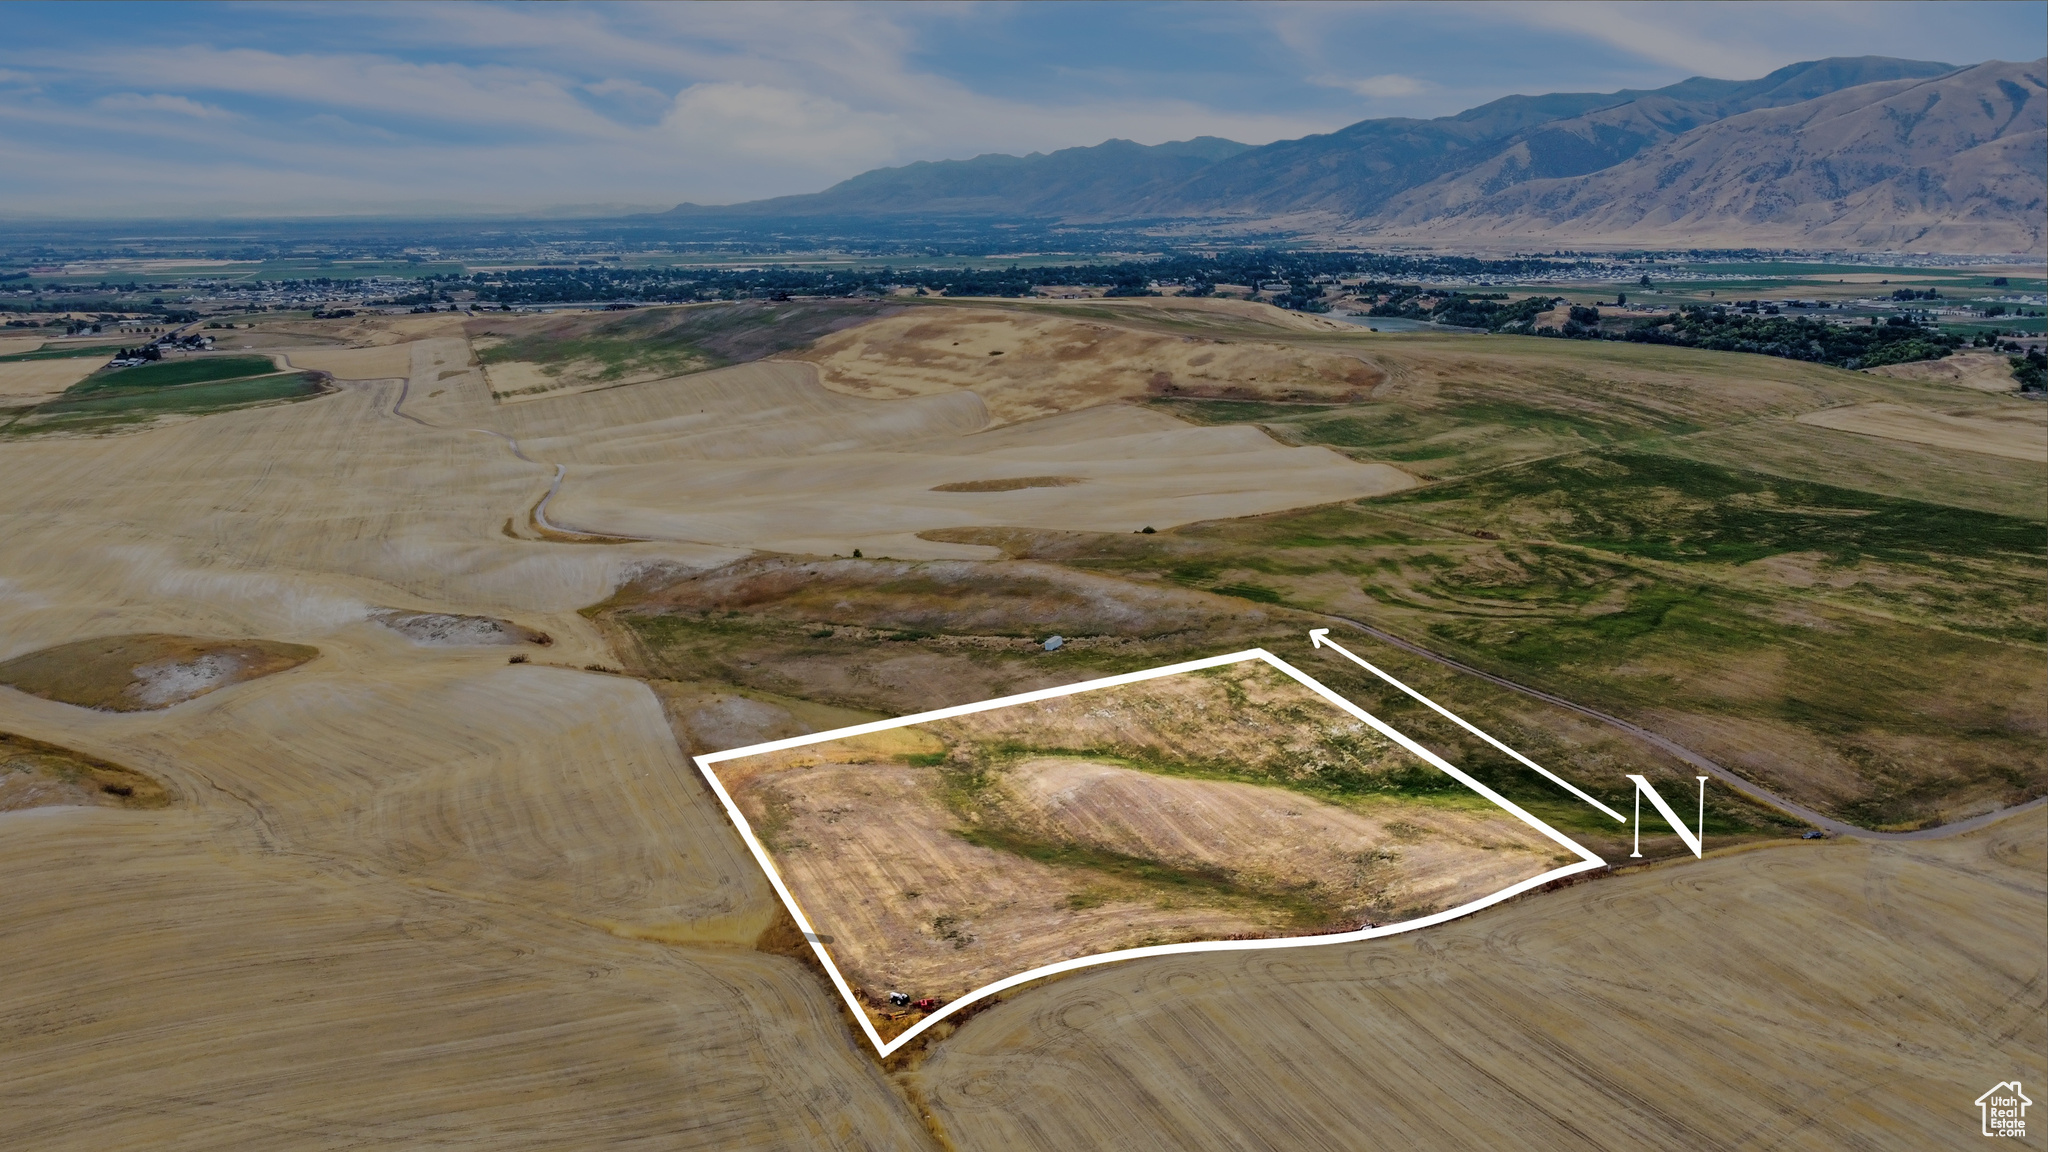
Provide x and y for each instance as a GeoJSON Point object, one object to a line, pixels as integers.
{"type": "Point", "coordinates": [1966, 175]}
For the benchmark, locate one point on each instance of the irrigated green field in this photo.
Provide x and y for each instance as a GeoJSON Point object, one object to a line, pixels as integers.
{"type": "Point", "coordinates": [115, 397]}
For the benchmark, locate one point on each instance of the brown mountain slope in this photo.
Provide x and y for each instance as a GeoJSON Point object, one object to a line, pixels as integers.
{"type": "Point", "coordinates": [1952, 164]}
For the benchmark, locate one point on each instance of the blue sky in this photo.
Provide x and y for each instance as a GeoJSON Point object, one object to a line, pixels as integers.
{"type": "Point", "coordinates": [301, 109]}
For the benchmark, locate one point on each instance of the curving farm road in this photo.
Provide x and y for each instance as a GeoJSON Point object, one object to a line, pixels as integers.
{"type": "Point", "coordinates": [1825, 823]}
{"type": "Point", "coordinates": [540, 510]}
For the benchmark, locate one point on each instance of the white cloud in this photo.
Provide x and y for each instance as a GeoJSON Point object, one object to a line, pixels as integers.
{"type": "Point", "coordinates": [630, 95]}
{"type": "Point", "coordinates": [1682, 36]}
{"type": "Point", "coordinates": [783, 125]}
{"type": "Point", "coordinates": [129, 102]}
{"type": "Point", "coordinates": [532, 106]}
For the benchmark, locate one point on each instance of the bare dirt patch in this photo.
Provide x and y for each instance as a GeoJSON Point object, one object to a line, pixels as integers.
{"type": "Point", "coordinates": [151, 670]}
{"type": "Point", "coordinates": [34, 774]}
{"type": "Point", "coordinates": [910, 905]}
{"type": "Point", "coordinates": [448, 629]}
{"type": "Point", "coordinates": [1981, 371]}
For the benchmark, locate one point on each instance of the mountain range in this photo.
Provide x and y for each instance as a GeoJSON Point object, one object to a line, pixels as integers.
{"type": "Point", "coordinates": [1844, 153]}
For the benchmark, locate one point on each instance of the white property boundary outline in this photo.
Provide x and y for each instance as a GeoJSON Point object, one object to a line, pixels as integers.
{"type": "Point", "coordinates": [1587, 860]}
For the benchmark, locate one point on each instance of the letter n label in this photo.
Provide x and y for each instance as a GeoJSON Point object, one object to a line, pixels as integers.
{"type": "Point", "coordinates": [1692, 841]}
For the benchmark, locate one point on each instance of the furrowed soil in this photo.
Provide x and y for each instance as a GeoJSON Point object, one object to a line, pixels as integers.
{"type": "Point", "coordinates": [414, 894]}
{"type": "Point", "coordinates": [1917, 967]}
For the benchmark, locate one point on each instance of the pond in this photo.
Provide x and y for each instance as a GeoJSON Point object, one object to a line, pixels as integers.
{"type": "Point", "coordinates": [1398, 324]}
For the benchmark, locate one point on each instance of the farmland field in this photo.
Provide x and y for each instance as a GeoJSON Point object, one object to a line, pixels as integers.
{"type": "Point", "coordinates": [1223, 803]}
{"type": "Point", "coordinates": [429, 865]}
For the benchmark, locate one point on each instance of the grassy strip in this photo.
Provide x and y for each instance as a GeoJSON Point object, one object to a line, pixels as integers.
{"type": "Point", "coordinates": [1195, 885]}
{"type": "Point", "coordinates": [1460, 434]}
{"type": "Point", "coordinates": [1675, 509]}
{"type": "Point", "coordinates": [171, 373]}
{"type": "Point", "coordinates": [677, 341]}
{"type": "Point", "coordinates": [1333, 781]}
{"type": "Point", "coordinates": [617, 357]}
{"type": "Point", "coordinates": [74, 352]}
{"type": "Point", "coordinates": [130, 406]}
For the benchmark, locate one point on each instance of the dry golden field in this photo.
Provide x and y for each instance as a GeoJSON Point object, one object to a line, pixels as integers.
{"type": "Point", "coordinates": [1025, 365]}
{"type": "Point", "coordinates": [1809, 996]}
{"type": "Point", "coordinates": [446, 877]}
{"type": "Point", "coordinates": [2021, 434]}
{"type": "Point", "coordinates": [944, 856]}
{"type": "Point", "coordinates": [1981, 371]}
{"type": "Point", "coordinates": [30, 381]}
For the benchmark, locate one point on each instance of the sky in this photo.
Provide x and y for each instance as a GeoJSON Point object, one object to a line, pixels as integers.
{"type": "Point", "coordinates": [305, 109]}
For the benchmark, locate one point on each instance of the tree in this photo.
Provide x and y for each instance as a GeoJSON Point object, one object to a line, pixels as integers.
{"type": "Point", "coordinates": [2031, 372]}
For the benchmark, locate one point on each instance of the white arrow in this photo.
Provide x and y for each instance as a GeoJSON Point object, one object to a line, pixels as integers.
{"type": "Point", "coordinates": [1321, 638]}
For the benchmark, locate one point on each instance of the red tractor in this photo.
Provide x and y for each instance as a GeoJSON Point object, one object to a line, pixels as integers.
{"type": "Point", "coordinates": [926, 1004]}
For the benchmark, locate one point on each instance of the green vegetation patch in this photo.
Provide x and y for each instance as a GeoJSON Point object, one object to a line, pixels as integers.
{"type": "Point", "coordinates": [1674, 509]}
{"type": "Point", "coordinates": [108, 401]}
{"type": "Point", "coordinates": [1896, 341]}
{"type": "Point", "coordinates": [1340, 767]}
{"type": "Point", "coordinates": [1460, 431]}
{"type": "Point", "coordinates": [1299, 908]}
{"type": "Point", "coordinates": [62, 352]}
{"type": "Point", "coordinates": [172, 373]}
{"type": "Point", "coordinates": [1198, 411]}
{"type": "Point", "coordinates": [1872, 655]}
{"type": "Point", "coordinates": [677, 341]}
